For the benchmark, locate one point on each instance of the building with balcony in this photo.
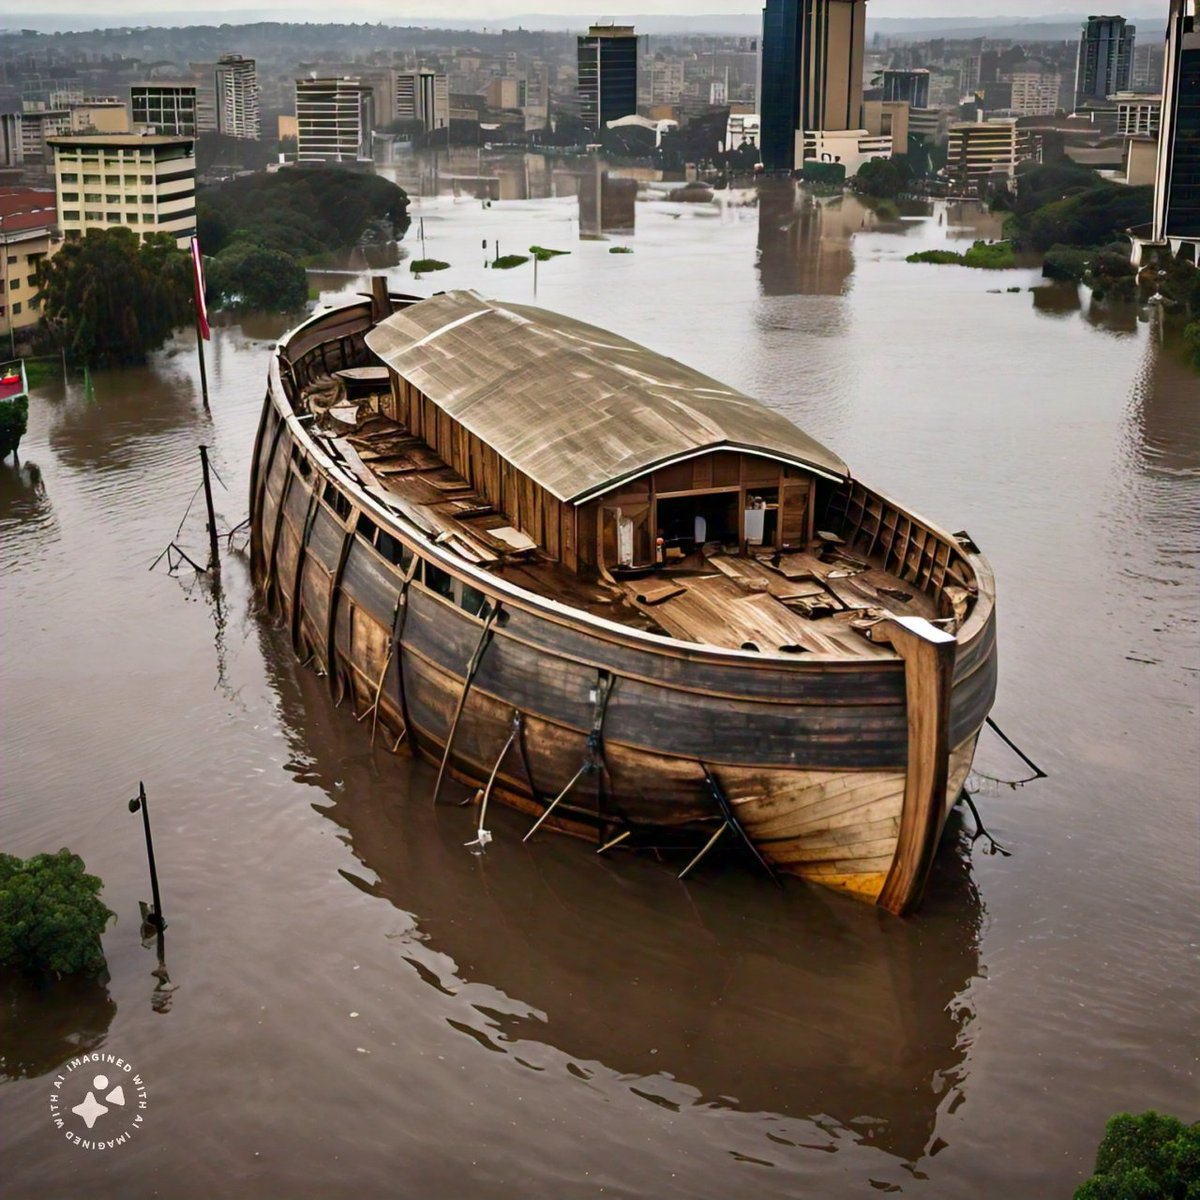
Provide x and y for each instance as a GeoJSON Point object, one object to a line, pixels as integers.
{"type": "Point", "coordinates": [146, 182]}
{"type": "Point", "coordinates": [981, 153]}
{"type": "Point", "coordinates": [334, 121]}
{"type": "Point", "coordinates": [236, 83]}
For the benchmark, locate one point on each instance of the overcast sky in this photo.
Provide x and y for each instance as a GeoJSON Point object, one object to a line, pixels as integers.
{"type": "Point", "coordinates": [428, 10]}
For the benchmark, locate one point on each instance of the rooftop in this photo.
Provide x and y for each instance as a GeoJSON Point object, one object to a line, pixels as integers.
{"type": "Point", "coordinates": [577, 409]}
{"type": "Point", "coordinates": [119, 139]}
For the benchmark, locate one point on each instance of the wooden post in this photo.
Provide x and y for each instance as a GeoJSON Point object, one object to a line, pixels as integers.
{"type": "Point", "coordinates": [214, 555]}
{"type": "Point", "coordinates": [928, 653]}
{"type": "Point", "coordinates": [381, 306]}
{"type": "Point", "coordinates": [203, 369]}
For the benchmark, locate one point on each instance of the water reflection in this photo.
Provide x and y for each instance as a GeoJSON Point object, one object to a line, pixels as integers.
{"type": "Point", "coordinates": [606, 201]}
{"type": "Point", "coordinates": [728, 993]}
{"type": "Point", "coordinates": [45, 1024]}
{"type": "Point", "coordinates": [1058, 298]}
{"type": "Point", "coordinates": [805, 241]}
{"type": "Point", "coordinates": [131, 416]}
{"type": "Point", "coordinates": [27, 522]}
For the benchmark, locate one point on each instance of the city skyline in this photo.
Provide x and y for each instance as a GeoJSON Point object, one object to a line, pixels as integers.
{"type": "Point", "coordinates": [430, 11]}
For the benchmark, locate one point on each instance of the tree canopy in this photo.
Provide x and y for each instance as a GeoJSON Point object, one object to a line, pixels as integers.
{"type": "Point", "coordinates": [1147, 1157]}
{"type": "Point", "coordinates": [247, 275]}
{"type": "Point", "coordinates": [301, 210]}
{"type": "Point", "coordinates": [112, 298]}
{"type": "Point", "coordinates": [51, 915]}
{"type": "Point", "coordinates": [885, 178]}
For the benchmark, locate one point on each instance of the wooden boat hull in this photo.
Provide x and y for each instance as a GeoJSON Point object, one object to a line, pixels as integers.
{"type": "Point", "coordinates": [812, 757]}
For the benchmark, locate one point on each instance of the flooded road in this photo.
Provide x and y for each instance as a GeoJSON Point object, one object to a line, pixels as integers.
{"type": "Point", "coordinates": [364, 1006]}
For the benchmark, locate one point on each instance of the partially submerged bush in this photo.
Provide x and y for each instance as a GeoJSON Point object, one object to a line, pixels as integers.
{"type": "Point", "coordinates": [506, 261]}
{"type": "Point", "coordinates": [14, 416]}
{"type": "Point", "coordinates": [419, 266]}
{"type": "Point", "coordinates": [541, 253]}
{"type": "Point", "coordinates": [992, 256]}
{"type": "Point", "coordinates": [51, 915]}
{"type": "Point", "coordinates": [1148, 1157]}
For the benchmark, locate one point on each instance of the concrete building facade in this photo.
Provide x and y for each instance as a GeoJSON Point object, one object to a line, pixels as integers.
{"type": "Point", "coordinates": [164, 107]}
{"type": "Point", "coordinates": [28, 234]}
{"type": "Point", "coordinates": [236, 82]}
{"type": "Point", "coordinates": [144, 181]}
{"type": "Point", "coordinates": [334, 120]}
{"type": "Point", "coordinates": [424, 96]}
{"type": "Point", "coordinates": [982, 152]}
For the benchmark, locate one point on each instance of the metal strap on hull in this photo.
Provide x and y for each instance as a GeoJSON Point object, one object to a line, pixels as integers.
{"type": "Point", "coordinates": [485, 639]}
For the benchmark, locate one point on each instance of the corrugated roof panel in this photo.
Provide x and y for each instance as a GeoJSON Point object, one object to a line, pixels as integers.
{"type": "Point", "coordinates": [576, 408]}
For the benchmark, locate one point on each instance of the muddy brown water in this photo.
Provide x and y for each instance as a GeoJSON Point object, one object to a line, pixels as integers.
{"type": "Point", "coordinates": [366, 1007]}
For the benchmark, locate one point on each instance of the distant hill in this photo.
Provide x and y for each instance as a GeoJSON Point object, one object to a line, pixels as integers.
{"type": "Point", "coordinates": [1057, 27]}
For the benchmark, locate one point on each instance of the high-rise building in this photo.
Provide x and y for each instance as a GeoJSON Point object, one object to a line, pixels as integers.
{"type": "Point", "coordinates": [165, 107]}
{"type": "Point", "coordinates": [812, 69]}
{"type": "Point", "coordinates": [1105, 63]}
{"type": "Point", "coordinates": [1177, 175]}
{"type": "Point", "coordinates": [910, 86]}
{"type": "Point", "coordinates": [1035, 90]}
{"type": "Point", "coordinates": [237, 97]}
{"type": "Point", "coordinates": [423, 96]}
{"type": "Point", "coordinates": [1147, 73]}
{"type": "Point", "coordinates": [979, 152]}
{"type": "Point", "coordinates": [608, 76]}
{"type": "Point", "coordinates": [147, 182]}
{"type": "Point", "coordinates": [334, 120]}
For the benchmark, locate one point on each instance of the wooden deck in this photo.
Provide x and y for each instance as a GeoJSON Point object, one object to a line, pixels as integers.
{"type": "Point", "coordinates": [796, 603]}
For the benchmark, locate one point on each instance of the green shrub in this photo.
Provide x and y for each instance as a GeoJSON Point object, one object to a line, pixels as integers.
{"type": "Point", "coordinates": [542, 254]}
{"type": "Point", "coordinates": [1191, 340]}
{"type": "Point", "coordinates": [51, 915]}
{"type": "Point", "coordinates": [507, 261]}
{"type": "Point", "coordinates": [14, 415]}
{"type": "Point", "coordinates": [620, 249]}
{"type": "Point", "coordinates": [1148, 1157]}
{"type": "Point", "coordinates": [992, 256]}
{"type": "Point", "coordinates": [1066, 262]}
{"type": "Point", "coordinates": [419, 266]}
{"type": "Point", "coordinates": [942, 257]}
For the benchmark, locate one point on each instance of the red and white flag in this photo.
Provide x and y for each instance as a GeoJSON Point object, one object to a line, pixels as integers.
{"type": "Point", "coordinates": [198, 282]}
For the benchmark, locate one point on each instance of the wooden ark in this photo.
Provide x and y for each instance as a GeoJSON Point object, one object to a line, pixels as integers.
{"type": "Point", "coordinates": [616, 594]}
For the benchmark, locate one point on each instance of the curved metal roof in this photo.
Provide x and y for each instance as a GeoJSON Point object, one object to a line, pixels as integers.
{"type": "Point", "coordinates": [577, 409]}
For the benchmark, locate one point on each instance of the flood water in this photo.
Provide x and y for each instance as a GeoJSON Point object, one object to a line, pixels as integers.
{"type": "Point", "coordinates": [364, 1006]}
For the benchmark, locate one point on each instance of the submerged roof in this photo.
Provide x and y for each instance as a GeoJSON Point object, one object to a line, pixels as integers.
{"type": "Point", "coordinates": [577, 409]}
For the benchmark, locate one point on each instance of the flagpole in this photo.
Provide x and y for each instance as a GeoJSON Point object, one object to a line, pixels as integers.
{"type": "Point", "coordinates": [201, 311]}
{"type": "Point", "coordinates": [200, 355]}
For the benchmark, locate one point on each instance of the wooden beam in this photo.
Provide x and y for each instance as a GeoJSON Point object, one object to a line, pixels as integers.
{"type": "Point", "coordinates": [928, 653]}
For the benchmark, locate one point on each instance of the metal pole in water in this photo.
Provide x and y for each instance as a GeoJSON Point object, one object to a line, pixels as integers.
{"type": "Point", "coordinates": [157, 918]}
{"type": "Point", "coordinates": [214, 560]}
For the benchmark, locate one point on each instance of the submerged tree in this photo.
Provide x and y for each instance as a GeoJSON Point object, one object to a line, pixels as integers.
{"type": "Point", "coordinates": [14, 414]}
{"type": "Point", "coordinates": [1147, 1157]}
{"type": "Point", "coordinates": [113, 298]}
{"type": "Point", "coordinates": [51, 915]}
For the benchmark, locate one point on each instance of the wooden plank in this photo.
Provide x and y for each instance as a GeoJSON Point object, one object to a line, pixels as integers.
{"type": "Point", "coordinates": [928, 655]}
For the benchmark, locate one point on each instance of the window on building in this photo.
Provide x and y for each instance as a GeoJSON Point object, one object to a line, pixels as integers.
{"type": "Point", "coordinates": [147, 180]}
{"type": "Point", "coordinates": [115, 217]}
{"type": "Point", "coordinates": [91, 179]}
{"type": "Point", "coordinates": [91, 197]}
{"type": "Point", "coordinates": [12, 260]}
{"type": "Point", "coordinates": [70, 214]}
{"type": "Point", "coordinates": [69, 196]}
{"type": "Point", "coordinates": [131, 218]}
{"type": "Point", "coordinates": [112, 198]}
{"type": "Point", "coordinates": [90, 214]}
{"type": "Point", "coordinates": [70, 177]}
{"type": "Point", "coordinates": [31, 281]}
{"type": "Point", "coordinates": [17, 309]}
